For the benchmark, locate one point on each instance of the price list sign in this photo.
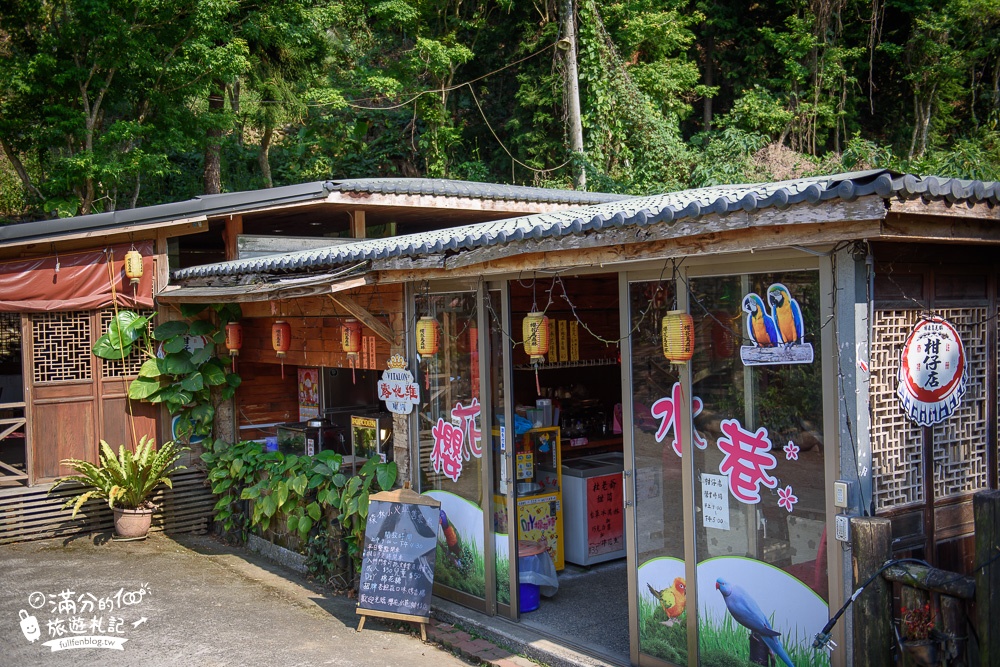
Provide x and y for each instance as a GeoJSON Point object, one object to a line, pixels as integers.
{"type": "Point", "coordinates": [715, 501]}
{"type": "Point", "coordinates": [397, 566]}
{"type": "Point", "coordinates": [605, 525]}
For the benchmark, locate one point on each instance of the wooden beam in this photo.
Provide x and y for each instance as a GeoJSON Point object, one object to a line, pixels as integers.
{"type": "Point", "coordinates": [939, 208]}
{"type": "Point", "coordinates": [358, 224]}
{"type": "Point", "coordinates": [939, 229]}
{"type": "Point", "coordinates": [369, 320]}
{"type": "Point", "coordinates": [251, 293]}
{"type": "Point", "coordinates": [101, 237]}
{"type": "Point", "coordinates": [231, 234]}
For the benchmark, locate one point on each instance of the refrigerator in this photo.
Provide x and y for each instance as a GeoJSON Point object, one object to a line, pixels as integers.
{"type": "Point", "coordinates": [593, 510]}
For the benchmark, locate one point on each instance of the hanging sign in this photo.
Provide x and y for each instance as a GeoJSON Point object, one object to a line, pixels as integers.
{"type": "Point", "coordinates": [397, 387]}
{"type": "Point", "coordinates": [932, 372]}
{"type": "Point", "coordinates": [776, 329]}
{"type": "Point", "coordinates": [715, 501]}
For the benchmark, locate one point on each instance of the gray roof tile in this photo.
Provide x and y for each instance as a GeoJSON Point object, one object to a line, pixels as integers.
{"type": "Point", "coordinates": [656, 209]}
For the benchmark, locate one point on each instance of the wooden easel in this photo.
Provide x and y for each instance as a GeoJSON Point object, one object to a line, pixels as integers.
{"type": "Point", "coordinates": [405, 496]}
{"type": "Point", "coordinates": [421, 620]}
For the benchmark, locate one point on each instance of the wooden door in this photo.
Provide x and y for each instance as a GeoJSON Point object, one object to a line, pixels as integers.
{"type": "Point", "coordinates": [76, 398]}
{"type": "Point", "coordinates": [61, 391]}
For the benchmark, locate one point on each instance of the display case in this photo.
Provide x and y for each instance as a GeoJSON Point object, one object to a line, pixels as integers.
{"type": "Point", "coordinates": [310, 437]}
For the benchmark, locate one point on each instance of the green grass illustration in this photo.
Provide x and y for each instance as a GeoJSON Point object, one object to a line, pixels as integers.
{"type": "Point", "coordinates": [466, 573]}
{"type": "Point", "coordinates": [726, 643]}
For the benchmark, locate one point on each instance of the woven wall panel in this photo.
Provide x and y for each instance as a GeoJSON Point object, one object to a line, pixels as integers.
{"type": "Point", "coordinates": [61, 347]}
{"type": "Point", "coordinates": [116, 368]}
{"type": "Point", "coordinates": [960, 443]}
{"type": "Point", "coordinates": [896, 441]}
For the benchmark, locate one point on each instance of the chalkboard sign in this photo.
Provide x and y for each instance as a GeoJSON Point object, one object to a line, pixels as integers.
{"type": "Point", "coordinates": [397, 564]}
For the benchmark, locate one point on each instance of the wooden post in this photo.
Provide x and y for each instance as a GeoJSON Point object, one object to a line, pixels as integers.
{"type": "Point", "coordinates": [871, 547]}
{"type": "Point", "coordinates": [986, 513]}
{"type": "Point", "coordinates": [358, 230]}
{"type": "Point", "coordinates": [234, 227]}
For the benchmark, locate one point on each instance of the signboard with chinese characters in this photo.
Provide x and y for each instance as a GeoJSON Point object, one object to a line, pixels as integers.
{"type": "Point", "coordinates": [397, 387]}
{"type": "Point", "coordinates": [715, 502]}
{"type": "Point", "coordinates": [932, 379]}
{"type": "Point", "coordinates": [397, 564]}
{"type": "Point", "coordinates": [605, 525]}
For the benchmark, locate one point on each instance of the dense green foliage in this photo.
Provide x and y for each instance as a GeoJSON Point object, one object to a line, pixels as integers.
{"type": "Point", "coordinates": [108, 104]}
{"type": "Point", "coordinates": [296, 495]}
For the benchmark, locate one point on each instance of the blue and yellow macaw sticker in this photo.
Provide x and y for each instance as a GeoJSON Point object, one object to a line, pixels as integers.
{"type": "Point", "coordinates": [775, 328]}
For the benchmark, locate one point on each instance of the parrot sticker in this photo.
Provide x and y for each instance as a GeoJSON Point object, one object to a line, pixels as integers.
{"type": "Point", "coordinates": [672, 600]}
{"type": "Point", "coordinates": [753, 613]}
{"type": "Point", "coordinates": [747, 612]}
{"type": "Point", "coordinates": [775, 328]}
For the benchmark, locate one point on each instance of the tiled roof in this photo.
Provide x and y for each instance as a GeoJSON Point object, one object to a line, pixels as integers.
{"type": "Point", "coordinates": [250, 200]}
{"type": "Point", "coordinates": [640, 211]}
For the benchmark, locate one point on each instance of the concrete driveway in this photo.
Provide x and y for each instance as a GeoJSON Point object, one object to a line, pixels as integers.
{"type": "Point", "coordinates": [187, 600]}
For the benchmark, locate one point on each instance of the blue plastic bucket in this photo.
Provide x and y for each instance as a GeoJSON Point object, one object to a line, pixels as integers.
{"type": "Point", "coordinates": [528, 597]}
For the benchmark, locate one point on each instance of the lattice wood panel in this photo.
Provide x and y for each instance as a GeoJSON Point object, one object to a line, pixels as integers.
{"type": "Point", "coordinates": [960, 443]}
{"type": "Point", "coordinates": [61, 347]}
{"type": "Point", "coordinates": [116, 368]}
{"type": "Point", "coordinates": [896, 441]}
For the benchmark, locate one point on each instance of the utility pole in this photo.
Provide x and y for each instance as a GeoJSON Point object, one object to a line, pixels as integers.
{"type": "Point", "coordinates": [568, 44]}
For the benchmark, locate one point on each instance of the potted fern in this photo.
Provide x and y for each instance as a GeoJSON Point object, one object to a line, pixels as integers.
{"type": "Point", "coordinates": [126, 480]}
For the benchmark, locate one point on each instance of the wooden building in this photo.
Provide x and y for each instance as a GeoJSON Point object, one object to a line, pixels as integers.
{"type": "Point", "coordinates": [804, 399]}
{"type": "Point", "coordinates": [60, 281]}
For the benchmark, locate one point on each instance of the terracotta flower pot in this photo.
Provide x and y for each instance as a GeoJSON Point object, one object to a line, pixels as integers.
{"type": "Point", "coordinates": [132, 523]}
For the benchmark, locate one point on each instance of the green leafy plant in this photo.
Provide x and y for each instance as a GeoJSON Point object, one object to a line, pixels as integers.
{"type": "Point", "coordinates": [126, 479]}
{"type": "Point", "coordinates": [184, 369]}
{"type": "Point", "coordinates": [261, 490]}
{"type": "Point", "coordinates": [352, 502]}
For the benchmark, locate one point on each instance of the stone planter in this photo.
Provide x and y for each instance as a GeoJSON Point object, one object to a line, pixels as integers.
{"type": "Point", "coordinates": [131, 524]}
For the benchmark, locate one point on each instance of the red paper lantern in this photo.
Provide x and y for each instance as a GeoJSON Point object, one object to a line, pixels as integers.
{"type": "Point", "coordinates": [723, 336]}
{"type": "Point", "coordinates": [234, 338]}
{"type": "Point", "coordinates": [350, 336]}
{"type": "Point", "coordinates": [281, 337]}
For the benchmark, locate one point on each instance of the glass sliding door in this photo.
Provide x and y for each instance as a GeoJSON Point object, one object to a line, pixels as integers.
{"type": "Point", "coordinates": [656, 542]}
{"type": "Point", "coordinates": [496, 352]}
{"type": "Point", "coordinates": [451, 442]}
{"type": "Point", "coordinates": [728, 472]}
{"type": "Point", "coordinates": [760, 512]}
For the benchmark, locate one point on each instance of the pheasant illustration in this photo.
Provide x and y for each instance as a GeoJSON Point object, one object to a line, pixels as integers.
{"type": "Point", "coordinates": [786, 314]}
{"type": "Point", "coordinates": [672, 600]}
{"type": "Point", "coordinates": [760, 325]}
{"type": "Point", "coordinates": [747, 613]}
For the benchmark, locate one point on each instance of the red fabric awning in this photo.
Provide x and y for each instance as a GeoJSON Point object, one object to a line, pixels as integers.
{"type": "Point", "coordinates": [83, 281]}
